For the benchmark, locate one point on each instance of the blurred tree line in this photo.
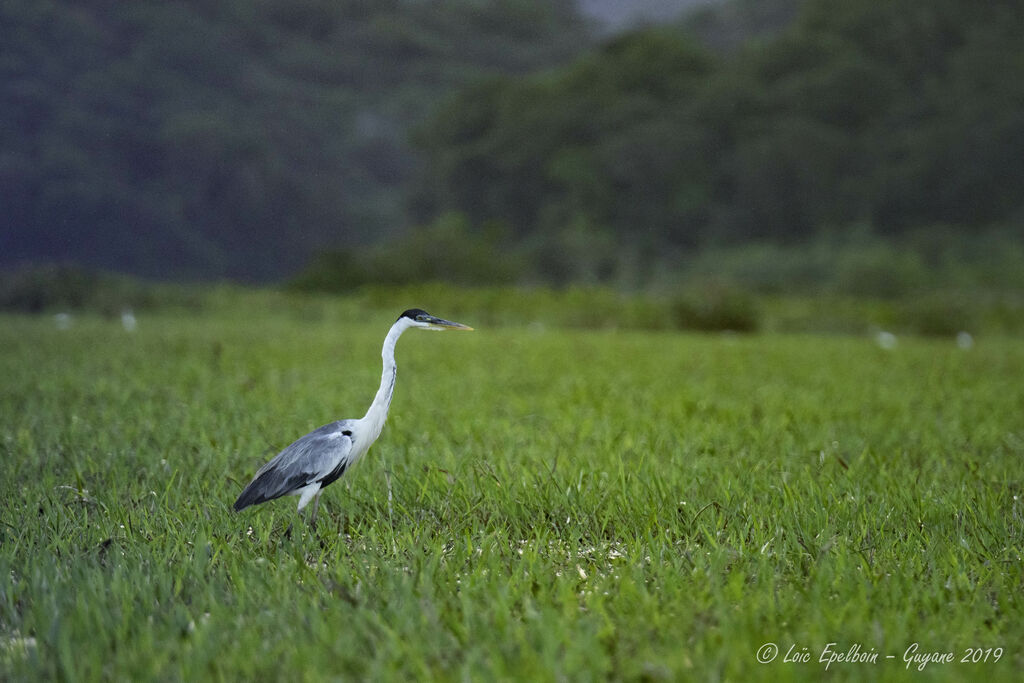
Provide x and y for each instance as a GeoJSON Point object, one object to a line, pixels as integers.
{"type": "Point", "coordinates": [897, 117]}
{"type": "Point", "coordinates": [231, 139]}
{"type": "Point", "coordinates": [235, 139]}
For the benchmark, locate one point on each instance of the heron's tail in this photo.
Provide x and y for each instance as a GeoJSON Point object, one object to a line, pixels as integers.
{"type": "Point", "coordinates": [269, 484]}
{"type": "Point", "coordinates": [254, 494]}
{"type": "Point", "coordinates": [245, 500]}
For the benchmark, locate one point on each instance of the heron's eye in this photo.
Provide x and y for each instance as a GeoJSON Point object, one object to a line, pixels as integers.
{"type": "Point", "coordinates": [421, 318]}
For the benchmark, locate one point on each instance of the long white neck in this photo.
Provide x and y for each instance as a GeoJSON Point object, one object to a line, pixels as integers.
{"type": "Point", "coordinates": [378, 411]}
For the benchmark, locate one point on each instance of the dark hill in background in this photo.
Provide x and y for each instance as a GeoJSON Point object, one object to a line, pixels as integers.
{"type": "Point", "coordinates": [229, 139]}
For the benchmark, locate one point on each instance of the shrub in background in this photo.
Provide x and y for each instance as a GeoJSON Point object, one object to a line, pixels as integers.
{"type": "Point", "coordinates": [445, 251]}
{"type": "Point", "coordinates": [716, 307]}
{"type": "Point", "coordinates": [939, 314]}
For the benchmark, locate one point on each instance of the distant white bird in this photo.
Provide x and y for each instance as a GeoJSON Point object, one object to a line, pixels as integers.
{"type": "Point", "coordinates": [886, 340]}
{"type": "Point", "coordinates": [128, 321]}
{"type": "Point", "coordinates": [320, 458]}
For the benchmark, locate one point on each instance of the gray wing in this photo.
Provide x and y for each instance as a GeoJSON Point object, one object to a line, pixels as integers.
{"type": "Point", "coordinates": [320, 456]}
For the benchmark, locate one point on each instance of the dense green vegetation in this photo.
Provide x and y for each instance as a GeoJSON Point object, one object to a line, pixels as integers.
{"type": "Point", "coordinates": [542, 505]}
{"type": "Point", "coordinates": [228, 139]}
{"type": "Point", "coordinates": [885, 117]}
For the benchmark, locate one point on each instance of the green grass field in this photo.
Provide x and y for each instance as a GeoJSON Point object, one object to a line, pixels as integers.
{"type": "Point", "coordinates": [543, 504]}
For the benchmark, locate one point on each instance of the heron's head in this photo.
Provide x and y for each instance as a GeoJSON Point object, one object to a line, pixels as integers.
{"type": "Point", "coordinates": [417, 317]}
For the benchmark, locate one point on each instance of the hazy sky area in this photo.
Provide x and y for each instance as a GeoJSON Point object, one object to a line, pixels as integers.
{"type": "Point", "coordinates": [615, 15]}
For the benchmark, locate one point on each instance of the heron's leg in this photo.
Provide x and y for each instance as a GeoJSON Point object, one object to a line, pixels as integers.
{"type": "Point", "coordinates": [316, 507]}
